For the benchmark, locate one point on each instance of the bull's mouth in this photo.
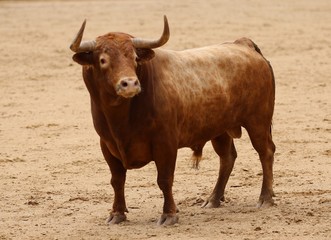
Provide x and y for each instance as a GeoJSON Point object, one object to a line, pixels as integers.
{"type": "Point", "coordinates": [128, 94]}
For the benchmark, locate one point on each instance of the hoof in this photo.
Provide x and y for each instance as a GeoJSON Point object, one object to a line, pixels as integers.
{"type": "Point", "coordinates": [211, 204]}
{"type": "Point", "coordinates": [167, 219]}
{"type": "Point", "coordinates": [116, 218]}
{"type": "Point", "coordinates": [263, 203]}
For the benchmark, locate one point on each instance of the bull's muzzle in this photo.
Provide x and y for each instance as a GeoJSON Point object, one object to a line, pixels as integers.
{"type": "Point", "coordinates": [128, 87]}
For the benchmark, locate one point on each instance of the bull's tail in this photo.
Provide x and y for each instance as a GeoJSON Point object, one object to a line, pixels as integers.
{"type": "Point", "coordinates": [257, 49]}
{"type": "Point", "coordinates": [249, 43]}
{"type": "Point", "coordinates": [197, 155]}
{"type": "Point", "coordinates": [196, 159]}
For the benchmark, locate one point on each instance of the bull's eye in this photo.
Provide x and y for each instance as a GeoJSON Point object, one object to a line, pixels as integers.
{"type": "Point", "coordinates": [104, 61]}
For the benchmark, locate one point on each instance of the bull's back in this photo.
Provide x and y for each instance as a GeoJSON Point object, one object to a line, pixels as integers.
{"type": "Point", "coordinates": [214, 89]}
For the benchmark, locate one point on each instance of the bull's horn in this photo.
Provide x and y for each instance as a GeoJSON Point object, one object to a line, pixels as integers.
{"type": "Point", "coordinates": [145, 43]}
{"type": "Point", "coordinates": [78, 46]}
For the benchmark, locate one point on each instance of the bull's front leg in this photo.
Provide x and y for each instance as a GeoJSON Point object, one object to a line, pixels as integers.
{"type": "Point", "coordinates": [165, 162]}
{"type": "Point", "coordinates": [118, 176]}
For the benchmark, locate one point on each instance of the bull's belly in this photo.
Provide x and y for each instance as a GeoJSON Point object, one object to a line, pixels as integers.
{"type": "Point", "coordinates": [191, 135]}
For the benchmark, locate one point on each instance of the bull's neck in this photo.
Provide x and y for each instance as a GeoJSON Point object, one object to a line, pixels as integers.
{"type": "Point", "coordinates": [117, 112]}
{"type": "Point", "coordinates": [125, 114]}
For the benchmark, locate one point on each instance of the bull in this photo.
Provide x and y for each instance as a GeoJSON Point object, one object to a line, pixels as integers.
{"type": "Point", "coordinates": [147, 103]}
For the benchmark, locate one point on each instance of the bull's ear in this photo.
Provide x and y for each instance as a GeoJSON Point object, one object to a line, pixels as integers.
{"type": "Point", "coordinates": [144, 54]}
{"type": "Point", "coordinates": [83, 58]}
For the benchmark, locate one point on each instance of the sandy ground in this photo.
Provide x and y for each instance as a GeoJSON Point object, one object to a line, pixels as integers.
{"type": "Point", "coordinates": [54, 183]}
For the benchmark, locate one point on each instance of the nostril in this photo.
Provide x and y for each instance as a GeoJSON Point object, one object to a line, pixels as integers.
{"type": "Point", "coordinates": [136, 83]}
{"type": "Point", "coordinates": [124, 84]}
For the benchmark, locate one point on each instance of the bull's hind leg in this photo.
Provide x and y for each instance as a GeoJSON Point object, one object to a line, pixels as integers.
{"type": "Point", "coordinates": [224, 147]}
{"type": "Point", "coordinates": [261, 139]}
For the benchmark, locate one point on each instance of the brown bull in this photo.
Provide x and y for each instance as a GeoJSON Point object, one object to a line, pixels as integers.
{"type": "Point", "coordinates": [146, 104]}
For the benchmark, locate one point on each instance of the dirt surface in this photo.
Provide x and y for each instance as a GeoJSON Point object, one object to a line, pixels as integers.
{"type": "Point", "coordinates": [54, 183]}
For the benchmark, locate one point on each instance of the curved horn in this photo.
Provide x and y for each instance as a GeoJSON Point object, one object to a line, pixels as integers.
{"type": "Point", "coordinates": [145, 43]}
{"type": "Point", "coordinates": [78, 46]}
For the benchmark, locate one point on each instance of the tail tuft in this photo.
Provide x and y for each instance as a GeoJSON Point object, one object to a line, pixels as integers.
{"type": "Point", "coordinates": [197, 155]}
{"type": "Point", "coordinates": [196, 159]}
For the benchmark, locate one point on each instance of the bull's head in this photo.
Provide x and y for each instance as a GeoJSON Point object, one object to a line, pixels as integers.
{"type": "Point", "coordinates": [114, 58]}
